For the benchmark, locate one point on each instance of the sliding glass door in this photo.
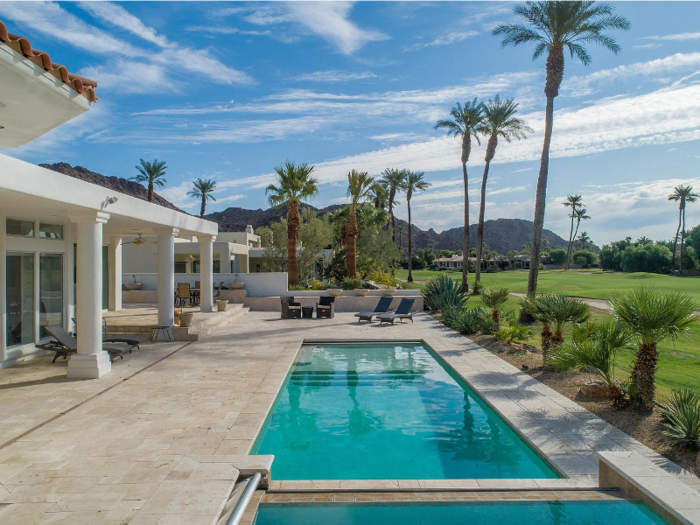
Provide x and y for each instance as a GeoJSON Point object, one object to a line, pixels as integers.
{"type": "Point", "coordinates": [50, 291]}
{"type": "Point", "coordinates": [20, 299]}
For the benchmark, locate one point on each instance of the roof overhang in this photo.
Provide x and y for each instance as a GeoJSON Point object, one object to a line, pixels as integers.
{"type": "Point", "coordinates": [32, 100]}
{"type": "Point", "coordinates": [34, 193]}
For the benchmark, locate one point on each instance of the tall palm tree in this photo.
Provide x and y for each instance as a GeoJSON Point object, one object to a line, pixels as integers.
{"type": "Point", "coordinates": [583, 240]}
{"type": "Point", "coordinates": [651, 316]}
{"type": "Point", "coordinates": [359, 188]}
{"type": "Point", "coordinates": [467, 122]}
{"type": "Point", "coordinates": [151, 173]}
{"type": "Point", "coordinates": [294, 185]}
{"type": "Point", "coordinates": [682, 195]}
{"type": "Point", "coordinates": [574, 202]}
{"type": "Point", "coordinates": [499, 121]}
{"type": "Point", "coordinates": [555, 26]}
{"type": "Point", "coordinates": [580, 213]}
{"type": "Point", "coordinates": [394, 180]}
{"type": "Point", "coordinates": [203, 189]}
{"type": "Point", "coordinates": [414, 182]}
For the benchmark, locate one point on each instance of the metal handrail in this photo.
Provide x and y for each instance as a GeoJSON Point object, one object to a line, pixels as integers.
{"type": "Point", "coordinates": [244, 500]}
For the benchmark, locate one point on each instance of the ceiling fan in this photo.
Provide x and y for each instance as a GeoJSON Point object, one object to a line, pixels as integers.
{"type": "Point", "coordinates": [140, 241]}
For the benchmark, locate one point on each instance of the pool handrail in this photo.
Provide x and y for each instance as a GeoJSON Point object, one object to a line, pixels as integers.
{"type": "Point", "coordinates": [244, 500]}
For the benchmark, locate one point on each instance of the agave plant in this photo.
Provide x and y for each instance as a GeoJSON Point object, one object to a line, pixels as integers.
{"type": "Point", "coordinates": [681, 413]}
{"type": "Point", "coordinates": [494, 298]}
{"type": "Point", "coordinates": [652, 316]}
{"type": "Point", "coordinates": [473, 320]}
{"type": "Point", "coordinates": [594, 349]}
{"type": "Point", "coordinates": [442, 292]}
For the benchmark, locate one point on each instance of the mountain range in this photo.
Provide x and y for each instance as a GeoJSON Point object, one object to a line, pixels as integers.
{"type": "Point", "coordinates": [501, 235]}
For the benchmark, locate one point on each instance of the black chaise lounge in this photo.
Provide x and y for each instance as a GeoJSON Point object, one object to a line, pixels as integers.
{"type": "Point", "coordinates": [381, 308]}
{"type": "Point", "coordinates": [65, 345]}
{"type": "Point", "coordinates": [402, 312]}
{"type": "Point", "coordinates": [135, 341]}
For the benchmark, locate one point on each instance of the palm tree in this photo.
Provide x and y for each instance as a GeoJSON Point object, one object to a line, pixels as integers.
{"type": "Point", "coordinates": [494, 298]}
{"type": "Point", "coordinates": [467, 122]}
{"type": "Point", "coordinates": [414, 182]}
{"type": "Point", "coordinates": [643, 241]}
{"type": "Point", "coordinates": [359, 187]}
{"type": "Point", "coordinates": [580, 213]}
{"type": "Point", "coordinates": [394, 180]}
{"type": "Point", "coordinates": [652, 316]}
{"type": "Point", "coordinates": [553, 27]}
{"type": "Point", "coordinates": [203, 189]}
{"type": "Point", "coordinates": [682, 195]}
{"type": "Point", "coordinates": [499, 121]}
{"type": "Point", "coordinates": [294, 185]}
{"type": "Point", "coordinates": [582, 241]}
{"type": "Point", "coordinates": [151, 173]}
{"type": "Point", "coordinates": [574, 202]}
{"type": "Point", "coordinates": [378, 194]}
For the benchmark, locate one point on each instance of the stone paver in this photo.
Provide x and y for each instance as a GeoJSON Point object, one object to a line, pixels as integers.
{"type": "Point", "coordinates": [160, 446]}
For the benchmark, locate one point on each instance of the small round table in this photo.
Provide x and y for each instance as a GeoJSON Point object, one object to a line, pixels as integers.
{"type": "Point", "coordinates": [307, 312]}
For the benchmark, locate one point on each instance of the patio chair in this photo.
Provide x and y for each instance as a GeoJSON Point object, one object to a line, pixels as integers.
{"type": "Point", "coordinates": [65, 344]}
{"type": "Point", "coordinates": [217, 291]}
{"type": "Point", "coordinates": [382, 307]}
{"type": "Point", "coordinates": [183, 295]}
{"type": "Point", "coordinates": [402, 312]}
{"type": "Point", "coordinates": [290, 309]}
{"type": "Point", "coordinates": [325, 307]}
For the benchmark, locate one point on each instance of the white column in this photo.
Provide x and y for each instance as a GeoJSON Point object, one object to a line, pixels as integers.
{"type": "Point", "coordinates": [115, 273]}
{"type": "Point", "coordinates": [3, 292]}
{"type": "Point", "coordinates": [206, 272]}
{"type": "Point", "coordinates": [166, 275]}
{"type": "Point", "coordinates": [68, 270]}
{"type": "Point", "coordinates": [91, 362]}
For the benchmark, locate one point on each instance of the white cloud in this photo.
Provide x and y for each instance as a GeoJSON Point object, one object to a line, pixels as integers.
{"type": "Point", "coordinates": [231, 198]}
{"type": "Point", "coordinates": [676, 37]}
{"type": "Point", "coordinates": [334, 76]}
{"type": "Point", "coordinates": [328, 20]}
{"type": "Point", "coordinates": [120, 17]}
{"type": "Point", "coordinates": [130, 76]}
{"type": "Point", "coordinates": [450, 38]}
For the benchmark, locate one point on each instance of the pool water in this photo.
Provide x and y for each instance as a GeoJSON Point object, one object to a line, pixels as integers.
{"type": "Point", "coordinates": [387, 411]}
{"type": "Point", "coordinates": [522, 513]}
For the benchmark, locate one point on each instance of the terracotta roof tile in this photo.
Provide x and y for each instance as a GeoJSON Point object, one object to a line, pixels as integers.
{"type": "Point", "coordinates": [21, 45]}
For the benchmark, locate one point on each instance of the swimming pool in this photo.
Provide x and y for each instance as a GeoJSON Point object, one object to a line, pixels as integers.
{"type": "Point", "coordinates": [522, 513]}
{"type": "Point", "coordinates": [387, 411]}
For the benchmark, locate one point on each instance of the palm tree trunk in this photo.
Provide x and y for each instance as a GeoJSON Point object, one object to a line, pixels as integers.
{"type": "Point", "coordinates": [490, 152]}
{"type": "Point", "coordinates": [546, 336]}
{"type": "Point", "coordinates": [351, 254]}
{"type": "Point", "coordinates": [540, 199]}
{"type": "Point", "coordinates": [573, 241]}
{"type": "Point", "coordinates": [150, 192]}
{"type": "Point", "coordinates": [555, 74]}
{"type": "Point", "coordinates": [393, 220]}
{"type": "Point", "coordinates": [410, 243]}
{"type": "Point", "coordinates": [571, 237]}
{"type": "Point", "coordinates": [675, 240]}
{"type": "Point", "coordinates": [292, 234]}
{"type": "Point", "coordinates": [643, 374]}
{"type": "Point", "coordinates": [680, 263]}
{"type": "Point", "coordinates": [466, 150]}
{"type": "Point", "coordinates": [204, 206]}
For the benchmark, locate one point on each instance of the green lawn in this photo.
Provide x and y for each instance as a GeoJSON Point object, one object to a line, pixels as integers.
{"type": "Point", "coordinates": [594, 284]}
{"type": "Point", "coordinates": [679, 361]}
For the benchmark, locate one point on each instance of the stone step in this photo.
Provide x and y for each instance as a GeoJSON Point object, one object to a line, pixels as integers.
{"type": "Point", "coordinates": [200, 332]}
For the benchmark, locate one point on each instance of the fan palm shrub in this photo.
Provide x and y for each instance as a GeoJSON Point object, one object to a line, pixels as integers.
{"type": "Point", "coordinates": [652, 316]}
{"type": "Point", "coordinates": [495, 298]}
{"type": "Point", "coordinates": [555, 27]}
{"type": "Point", "coordinates": [442, 292]}
{"type": "Point", "coordinates": [594, 349]}
{"type": "Point", "coordinates": [681, 413]}
{"type": "Point", "coordinates": [294, 185]}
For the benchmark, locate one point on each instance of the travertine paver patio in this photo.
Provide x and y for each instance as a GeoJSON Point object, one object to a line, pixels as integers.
{"type": "Point", "coordinates": [161, 446]}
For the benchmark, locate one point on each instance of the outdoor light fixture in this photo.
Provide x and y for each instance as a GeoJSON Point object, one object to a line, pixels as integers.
{"type": "Point", "coordinates": [112, 200]}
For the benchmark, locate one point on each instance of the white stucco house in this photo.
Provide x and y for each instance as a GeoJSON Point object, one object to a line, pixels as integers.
{"type": "Point", "coordinates": [61, 250]}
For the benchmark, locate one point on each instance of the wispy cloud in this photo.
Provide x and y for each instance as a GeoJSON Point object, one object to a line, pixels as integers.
{"type": "Point", "coordinates": [120, 17]}
{"type": "Point", "coordinates": [450, 38]}
{"type": "Point", "coordinates": [676, 37]}
{"type": "Point", "coordinates": [328, 20]}
{"type": "Point", "coordinates": [335, 76]}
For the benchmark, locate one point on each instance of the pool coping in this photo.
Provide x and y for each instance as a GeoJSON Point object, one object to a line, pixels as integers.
{"type": "Point", "coordinates": [567, 436]}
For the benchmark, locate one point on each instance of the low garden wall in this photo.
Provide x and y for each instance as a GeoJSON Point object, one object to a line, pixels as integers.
{"type": "Point", "coordinates": [256, 284]}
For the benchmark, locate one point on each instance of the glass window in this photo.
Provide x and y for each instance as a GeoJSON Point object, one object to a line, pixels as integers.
{"type": "Point", "coordinates": [180, 267]}
{"type": "Point", "coordinates": [50, 231]}
{"type": "Point", "coordinates": [21, 228]}
{"type": "Point", "coordinates": [50, 291]}
{"type": "Point", "coordinates": [20, 299]}
{"type": "Point", "coordinates": [217, 267]}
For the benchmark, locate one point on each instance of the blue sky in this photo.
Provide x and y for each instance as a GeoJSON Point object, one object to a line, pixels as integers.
{"type": "Point", "coordinates": [228, 90]}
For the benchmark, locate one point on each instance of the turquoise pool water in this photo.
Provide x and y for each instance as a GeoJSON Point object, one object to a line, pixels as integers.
{"type": "Point", "coordinates": [496, 513]}
{"type": "Point", "coordinates": [389, 411]}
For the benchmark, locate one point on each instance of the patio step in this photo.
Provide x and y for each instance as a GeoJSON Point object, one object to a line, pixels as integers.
{"type": "Point", "coordinates": [198, 331]}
